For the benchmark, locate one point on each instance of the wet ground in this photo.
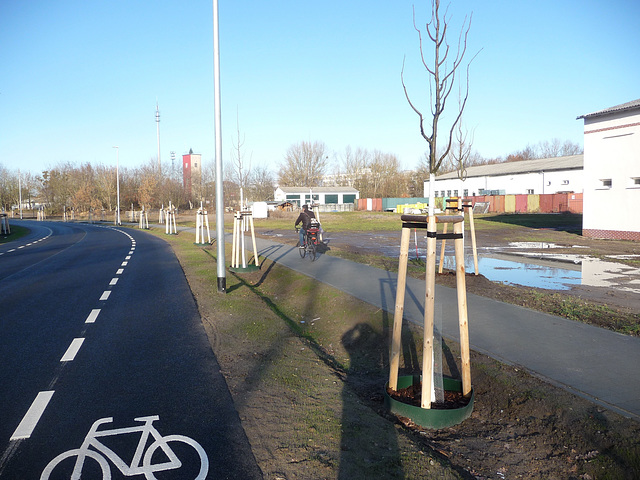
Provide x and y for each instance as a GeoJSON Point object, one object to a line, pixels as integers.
{"type": "Point", "coordinates": [592, 269]}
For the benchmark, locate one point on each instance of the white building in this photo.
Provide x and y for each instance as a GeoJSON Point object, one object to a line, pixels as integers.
{"type": "Point", "coordinates": [612, 172]}
{"type": "Point", "coordinates": [540, 176]}
{"type": "Point", "coordinates": [321, 195]}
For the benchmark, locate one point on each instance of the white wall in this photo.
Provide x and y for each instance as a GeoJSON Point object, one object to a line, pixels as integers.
{"type": "Point", "coordinates": [514, 184]}
{"type": "Point", "coordinates": [612, 152]}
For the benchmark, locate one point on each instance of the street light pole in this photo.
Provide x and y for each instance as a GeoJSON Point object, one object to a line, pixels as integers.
{"type": "Point", "coordinates": [118, 185]}
{"type": "Point", "coordinates": [222, 274]}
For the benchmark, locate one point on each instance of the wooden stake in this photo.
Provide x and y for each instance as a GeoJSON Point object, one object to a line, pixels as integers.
{"type": "Point", "coordinates": [233, 245]}
{"type": "Point", "coordinates": [462, 310]}
{"type": "Point", "coordinates": [469, 208]}
{"type": "Point", "coordinates": [253, 238]}
{"type": "Point", "coordinates": [442, 246]}
{"type": "Point", "coordinates": [399, 311]}
{"type": "Point", "coordinates": [429, 313]}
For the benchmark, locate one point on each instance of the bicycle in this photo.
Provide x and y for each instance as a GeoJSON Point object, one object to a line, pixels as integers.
{"type": "Point", "coordinates": [310, 247]}
{"type": "Point", "coordinates": [140, 464]}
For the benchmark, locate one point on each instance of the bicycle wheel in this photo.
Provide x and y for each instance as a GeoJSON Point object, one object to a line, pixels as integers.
{"type": "Point", "coordinates": [75, 475]}
{"type": "Point", "coordinates": [312, 250]}
{"type": "Point", "coordinates": [148, 466]}
{"type": "Point", "coordinates": [301, 251]}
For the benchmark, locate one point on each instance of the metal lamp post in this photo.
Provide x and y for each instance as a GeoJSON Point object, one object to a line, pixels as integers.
{"type": "Point", "coordinates": [118, 222]}
{"type": "Point", "coordinates": [222, 274]}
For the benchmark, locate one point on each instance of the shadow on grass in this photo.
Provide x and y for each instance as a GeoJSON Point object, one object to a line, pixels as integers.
{"type": "Point", "coordinates": [566, 222]}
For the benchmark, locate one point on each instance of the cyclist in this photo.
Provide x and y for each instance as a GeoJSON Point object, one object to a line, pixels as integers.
{"type": "Point", "coordinates": [304, 218]}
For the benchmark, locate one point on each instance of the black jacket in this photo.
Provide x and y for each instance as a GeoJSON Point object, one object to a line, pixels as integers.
{"type": "Point", "coordinates": [305, 218]}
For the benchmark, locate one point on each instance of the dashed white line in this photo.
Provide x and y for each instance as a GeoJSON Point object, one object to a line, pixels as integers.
{"type": "Point", "coordinates": [128, 257]}
{"type": "Point", "coordinates": [93, 316]}
{"type": "Point", "coordinates": [105, 295]}
{"type": "Point", "coordinates": [72, 351]}
{"type": "Point", "coordinates": [123, 264]}
{"type": "Point", "coordinates": [113, 281]}
{"type": "Point", "coordinates": [119, 271]}
{"type": "Point", "coordinates": [31, 418]}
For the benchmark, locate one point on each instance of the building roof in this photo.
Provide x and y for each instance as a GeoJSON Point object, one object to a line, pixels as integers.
{"type": "Point", "coordinates": [318, 189]}
{"type": "Point", "coordinates": [570, 162]}
{"type": "Point", "coordinates": [618, 108]}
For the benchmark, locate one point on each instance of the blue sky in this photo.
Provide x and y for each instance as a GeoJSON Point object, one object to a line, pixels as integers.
{"type": "Point", "coordinates": [78, 77]}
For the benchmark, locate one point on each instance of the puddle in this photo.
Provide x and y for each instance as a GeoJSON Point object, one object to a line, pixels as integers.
{"type": "Point", "coordinates": [521, 273]}
{"type": "Point", "coordinates": [553, 274]}
{"type": "Point", "coordinates": [552, 271]}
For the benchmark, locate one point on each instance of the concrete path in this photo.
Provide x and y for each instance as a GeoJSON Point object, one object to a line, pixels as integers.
{"type": "Point", "coordinates": [592, 362]}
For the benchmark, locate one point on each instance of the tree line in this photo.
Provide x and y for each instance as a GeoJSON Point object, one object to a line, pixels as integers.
{"type": "Point", "coordinates": [373, 173]}
{"type": "Point", "coordinates": [86, 187]}
{"type": "Point", "coordinates": [378, 174]}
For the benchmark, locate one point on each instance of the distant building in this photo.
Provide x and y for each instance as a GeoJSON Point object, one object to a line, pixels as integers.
{"type": "Point", "coordinates": [612, 172]}
{"type": "Point", "coordinates": [191, 172]}
{"type": "Point", "coordinates": [322, 195]}
{"type": "Point", "coordinates": [539, 176]}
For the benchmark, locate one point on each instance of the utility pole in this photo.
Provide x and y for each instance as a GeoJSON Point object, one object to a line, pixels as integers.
{"type": "Point", "coordinates": [118, 222]}
{"type": "Point", "coordinates": [158, 134]}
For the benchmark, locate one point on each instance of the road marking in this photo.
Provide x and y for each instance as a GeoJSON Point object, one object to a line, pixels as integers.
{"type": "Point", "coordinates": [72, 351]}
{"type": "Point", "coordinates": [92, 316]}
{"type": "Point", "coordinates": [128, 257]}
{"type": "Point", "coordinates": [113, 281]}
{"type": "Point", "coordinates": [105, 295]}
{"type": "Point", "coordinates": [12, 250]}
{"type": "Point", "coordinates": [21, 246]}
{"type": "Point", "coordinates": [31, 418]}
{"type": "Point", "coordinates": [119, 272]}
{"type": "Point", "coordinates": [123, 264]}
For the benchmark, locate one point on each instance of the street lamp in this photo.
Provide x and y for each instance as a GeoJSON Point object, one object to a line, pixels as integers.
{"type": "Point", "coordinates": [118, 185]}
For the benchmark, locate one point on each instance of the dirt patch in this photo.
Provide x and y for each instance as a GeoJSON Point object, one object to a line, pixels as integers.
{"type": "Point", "coordinates": [306, 365]}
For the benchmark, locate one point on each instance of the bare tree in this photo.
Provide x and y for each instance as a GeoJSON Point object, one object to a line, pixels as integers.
{"type": "Point", "coordinates": [557, 148]}
{"type": "Point", "coordinates": [241, 169]}
{"type": "Point", "coordinates": [442, 71]}
{"type": "Point", "coordinates": [261, 184]}
{"type": "Point", "coordinates": [304, 165]}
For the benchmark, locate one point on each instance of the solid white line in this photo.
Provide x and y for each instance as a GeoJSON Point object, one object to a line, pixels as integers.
{"type": "Point", "coordinates": [105, 295]}
{"type": "Point", "coordinates": [119, 272]}
{"type": "Point", "coordinates": [31, 418]}
{"type": "Point", "coordinates": [113, 281]}
{"type": "Point", "coordinates": [72, 351]}
{"type": "Point", "coordinates": [92, 316]}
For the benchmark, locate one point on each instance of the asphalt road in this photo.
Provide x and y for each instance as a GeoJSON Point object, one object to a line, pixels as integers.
{"type": "Point", "coordinates": [98, 327]}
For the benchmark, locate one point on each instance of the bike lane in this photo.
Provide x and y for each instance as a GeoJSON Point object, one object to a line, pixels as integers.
{"type": "Point", "coordinates": [145, 355]}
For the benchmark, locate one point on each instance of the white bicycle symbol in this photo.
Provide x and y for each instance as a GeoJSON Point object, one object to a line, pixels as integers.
{"type": "Point", "coordinates": [136, 467]}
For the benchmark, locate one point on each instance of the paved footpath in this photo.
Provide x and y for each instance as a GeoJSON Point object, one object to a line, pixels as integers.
{"type": "Point", "coordinates": [598, 364]}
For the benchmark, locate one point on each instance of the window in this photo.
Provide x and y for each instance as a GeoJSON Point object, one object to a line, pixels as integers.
{"type": "Point", "coordinates": [455, 193]}
{"type": "Point", "coordinates": [634, 182]}
{"type": "Point", "coordinates": [565, 182]}
{"type": "Point", "coordinates": [465, 192]}
{"type": "Point", "coordinates": [442, 193]}
{"type": "Point", "coordinates": [331, 198]}
{"type": "Point", "coordinates": [606, 183]}
{"type": "Point", "coordinates": [448, 193]}
{"type": "Point", "coordinates": [435, 193]}
{"type": "Point", "coordinates": [530, 191]}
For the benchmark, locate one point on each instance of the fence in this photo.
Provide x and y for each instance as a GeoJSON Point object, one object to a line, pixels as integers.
{"type": "Point", "coordinates": [547, 203]}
